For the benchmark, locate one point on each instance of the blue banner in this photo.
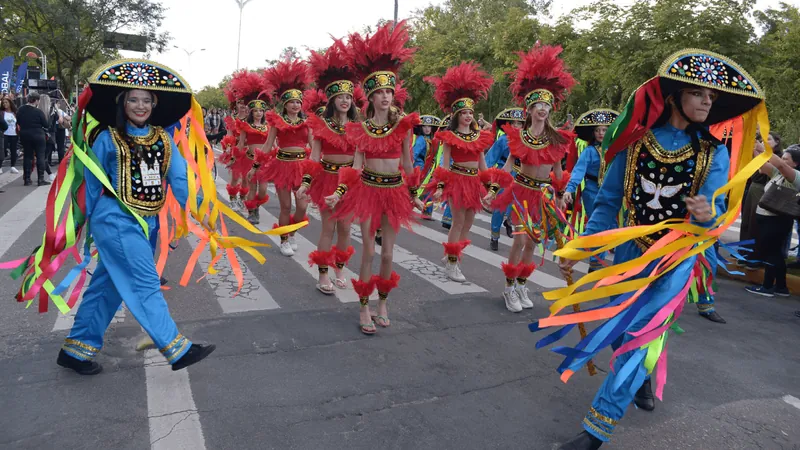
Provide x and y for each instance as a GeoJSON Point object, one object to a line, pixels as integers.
{"type": "Point", "coordinates": [21, 72]}
{"type": "Point", "coordinates": [6, 68]}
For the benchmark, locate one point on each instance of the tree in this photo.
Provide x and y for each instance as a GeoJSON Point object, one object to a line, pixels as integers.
{"type": "Point", "coordinates": [72, 32]}
{"type": "Point", "coordinates": [212, 97]}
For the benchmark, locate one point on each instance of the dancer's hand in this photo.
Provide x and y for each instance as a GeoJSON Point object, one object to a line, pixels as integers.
{"type": "Point", "coordinates": [301, 194]}
{"type": "Point", "coordinates": [567, 197]}
{"type": "Point", "coordinates": [699, 208]}
{"type": "Point", "coordinates": [418, 204]}
{"type": "Point", "coordinates": [566, 266]}
{"type": "Point", "coordinates": [561, 204]}
{"type": "Point", "coordinates": [488, 199]}
{"type": "Point", "coordinates": [437, 196]}
{"type": "Point", "coordinates": [332, 200]}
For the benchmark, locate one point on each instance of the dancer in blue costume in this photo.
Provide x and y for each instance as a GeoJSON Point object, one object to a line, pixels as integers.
{"type": "Point", "coordinates": [426, 157]}
{"type": "Point", "coordinates": [670, 173]}
{"type": "Point", "coordinates": [585, 176]}
{"type": "Point", "coordinates": [496, 157]}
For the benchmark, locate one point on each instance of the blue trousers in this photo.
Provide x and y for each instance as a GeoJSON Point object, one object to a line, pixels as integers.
{"type": "Point", "coordinates": [126, 272]}
{"type": "Point", "coordinates": [617, 391]}
{"type": "Point", "coordinates": [497, 221]}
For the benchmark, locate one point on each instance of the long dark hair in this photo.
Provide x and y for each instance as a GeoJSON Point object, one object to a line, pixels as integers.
{"type": "Point", "coordinates": [13, 107]}
{"type": "Point", "coordinates": [251, 119]}
{"type": "Point", "coordinates": [330, 110]}
{"type": "Point", "coordinates": [122, 119]}
{"type": "Point", "coordinates": [453, 125]}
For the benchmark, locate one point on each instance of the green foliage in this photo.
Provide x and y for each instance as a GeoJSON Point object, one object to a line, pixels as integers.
{"type": "Point", "coordinates": [212, 97]}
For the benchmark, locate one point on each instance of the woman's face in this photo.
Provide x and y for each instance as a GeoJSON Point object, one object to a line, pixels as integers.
{"type": "Point", "coordinates": [426, 129]}
{"type": "Point", "coordinates": [600, 133]}
{"type": "Point", "coordinates": [771, 141]}
{"type": "Point", "coordinates": [696, 103]}
{"type": "Point", "coordinates": [382, 99]}
{"type": "Point", "coordinates": [138, 106]}
{"type": "Point", "coordinates": [788, 158]}
{"type": "Point", "coordinates": [258, 114]}
{"type": "Point", "coordinates": [465, 118]}
{"type": "Point", "coordinates": [539, 111]}
{"type": "Point", "coordinates": [343, 102]}
{"type": "Point", "coordinates": [241, 108]}
{"type": "Point", "coordinates": [6, 104]}
{"type": "Point", "coordinates": [517, 125]}
{"type": "Point", "coordinates": [293, 107]}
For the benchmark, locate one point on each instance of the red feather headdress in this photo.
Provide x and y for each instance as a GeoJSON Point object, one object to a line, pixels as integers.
{"type": "Point", "coordinates": [460, 87]}
{"type": "Point", "coordinates": [289, 79]}
{"type": "Point", "coordinates": [376, 58]}
{"type": "Point", "coordinates": [541, 77]}
{"type": "Point", "coordinates": [401, 96]}
{"type": "Point", "coordinates": [314, 102]}
{"type": "Point", "coordinates": [245, 85]}
{"type": "Point", "coordinates": [331, 71]}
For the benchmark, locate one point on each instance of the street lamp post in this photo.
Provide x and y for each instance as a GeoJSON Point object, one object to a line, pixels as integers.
{"type": "Point", "coordinates": [42, 56]}
{"type": "Point", "coordinates": [189, 56]}
{"type": "Point", "coordinates": [241, 4]}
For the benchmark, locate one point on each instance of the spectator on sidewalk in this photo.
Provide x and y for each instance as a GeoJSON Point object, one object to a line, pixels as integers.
{"type": "Point", "coordinates": [749, 226]}
{"type": "Point", "coordinates": [8, 115]}
{"type": "Point", "coordinates": [774, 229]}
{"type": "Point", "coordinates": [32, 127]}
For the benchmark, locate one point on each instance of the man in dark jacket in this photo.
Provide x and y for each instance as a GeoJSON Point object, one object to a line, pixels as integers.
{"type": "Point", "coordinates": [32, 128]}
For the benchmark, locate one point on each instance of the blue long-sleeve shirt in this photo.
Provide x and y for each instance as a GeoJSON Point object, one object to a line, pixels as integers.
{"type": "Point", "coordinates": [610, 197]}
{"type": "Point", "coordinates": [498, 153]}
{"type": "Point", "coordinates": [588, 164]}
{"type": "Point", "coordinates": [106, 153]}
{"type": "Point", "coordinates": [420, 151]}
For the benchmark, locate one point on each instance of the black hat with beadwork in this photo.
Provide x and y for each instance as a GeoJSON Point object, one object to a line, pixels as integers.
{"type": "Point", "coordinates": [173, 96]}
{"type": "Point", "coordinates": [586, 123]}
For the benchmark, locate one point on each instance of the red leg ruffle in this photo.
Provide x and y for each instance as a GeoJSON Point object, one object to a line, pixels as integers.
{"type": "Point", "coordinates": [386, 285]}
{"type": "Point", "coordinates": [343, 256]}
{"type": "Point", "coordinates": [511, 271]}
{"type": "Point", "coordinates": [321, 258]}
{"type": "Point", "coordinates": [525, 270]}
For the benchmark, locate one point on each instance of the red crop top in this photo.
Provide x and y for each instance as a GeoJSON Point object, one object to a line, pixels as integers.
{"type": "Point", "coordinates": [380, 142]}
{"type": "Point", "coordinates": [331, 136]}
{"type": "Point", "coordinates": [466, 147]}
{"type": "Point", "coordinates": [537, 150]}
{"type": "Point", "coordinates": [255, 135]}
{"type": "Point", "coordinates": [289, 135]}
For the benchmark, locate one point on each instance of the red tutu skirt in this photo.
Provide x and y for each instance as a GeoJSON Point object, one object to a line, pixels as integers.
{"type": "Point", "coordinates": [376, 195]}
{"type": "Point", "coordinates": [323, 185]}
{"type": "Point", "coordinates": [462, 190]}
{"type": "Point", "coordinates": [528, 195]}
{"type": "Point", "coordinates": [284, 174]}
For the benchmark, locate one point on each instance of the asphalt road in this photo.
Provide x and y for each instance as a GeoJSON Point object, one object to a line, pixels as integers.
{"type": "Point", "coordinates": [455, 371]}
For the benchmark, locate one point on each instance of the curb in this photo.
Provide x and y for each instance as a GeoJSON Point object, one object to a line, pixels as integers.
{"type": "Point", "coordinates": [756, 277]}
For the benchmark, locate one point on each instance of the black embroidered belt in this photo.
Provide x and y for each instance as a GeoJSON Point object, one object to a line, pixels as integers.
{"type": "Point", "coordinates": [591, 177]}
{"type": "Point", "coordinates": [461, 170]}
{"type": "Point", "coordinates": [379, 179]}
{"type": "Point", "coordinates": [291, 156]}
{"type": "Point", "coordinates": [334, 167]}
{"type": "Point", "coordinates": [529, 182]}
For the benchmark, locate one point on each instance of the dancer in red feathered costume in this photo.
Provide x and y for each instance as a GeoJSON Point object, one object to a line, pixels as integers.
{"type": "Point", "coordinates": [330, 152]}
{"type": "Point", "coordinates": [254, 134]}
{"type": "Point", "coordinates": [243, 88]}
{"type": "Point", "coordinates": [289, 127]}
{"type": "Point", "coordinates": [314, 102]}
{"type": "Point", "coordinates": [540, 84]}
{"type": "Point", "coordinates": [462, 184]}
{"type": "Point", "coordinates": [380, 194]}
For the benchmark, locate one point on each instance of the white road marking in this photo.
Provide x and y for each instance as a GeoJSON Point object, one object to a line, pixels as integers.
{"type": "Point", "coordinates": [172, 415]}
{"type": "Point", "coordinates": [794, 401]}
{"type": "Point", "coordinates": [20, 217]}
{"type": "Point", "coordinates": [7, 177]}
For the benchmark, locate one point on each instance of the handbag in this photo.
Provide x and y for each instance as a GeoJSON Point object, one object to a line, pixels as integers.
{"type": "Point", "coordinates": [781, 200]}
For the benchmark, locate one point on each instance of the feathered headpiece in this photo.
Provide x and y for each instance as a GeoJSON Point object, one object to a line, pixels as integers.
{"type": "Point", "coordinates": [314, 102]}
{"type": "Point", "coordinates": [245, 86]}
{"type": "Point", "coordinates": [331, 70]}
{"type": "Point", "coordinates": [401, 96]}
{"type": "Point", "coordinates": [460, 87]}
{"type": "Point", "coordinates": [289, 79]}
{"type": "Point", "coordinates": [376, 58]}
{"type": "Point", "coordinates": [541, 77]}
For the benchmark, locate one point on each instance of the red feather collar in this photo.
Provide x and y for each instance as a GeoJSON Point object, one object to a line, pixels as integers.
{"type": "Point", "coordinates": [381, 140]}
{"type": "Point", "coordinates": [532, 150]}
{"type": "Point", "coordinates": [322, 131]}
{"type": "Point", "coordinates": [278, 121]}
{"type": "Point", "coordinates": [473, 144]}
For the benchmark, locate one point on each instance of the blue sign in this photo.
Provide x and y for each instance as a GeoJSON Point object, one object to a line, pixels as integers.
{"type": "Point", "coordinates": [6, 68]}
{"type": "Point", "coordinates": [21, 72]}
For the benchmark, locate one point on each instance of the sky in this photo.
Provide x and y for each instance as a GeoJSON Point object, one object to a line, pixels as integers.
{"type": "Point", "coordinates": [207, 29]}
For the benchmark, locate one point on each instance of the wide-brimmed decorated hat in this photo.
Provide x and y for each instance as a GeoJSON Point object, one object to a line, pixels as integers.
{"type": "Point", "coordinates": [108, 83]}
{"type": "Point", "coordinates": [378, 57]}
{"type": "Point", "coordinates": [430, 121]}
{"type": "Point", "coordinates": [460, 87]}
{"type": "Point", "coordinates": [738, 95]}
{"type": "Point", "coordinates": [584, 127]}
{"type": "Point", "coordinates": [506, 116]}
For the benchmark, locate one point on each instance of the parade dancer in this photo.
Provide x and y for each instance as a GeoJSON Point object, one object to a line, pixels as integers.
{"type": "Point", "coordinates": [252, 137]}
{"type": "Point", "coordinates": [426, 157]}
{"type": "Point", "coordinates": [447, 216]}
{"type": "Point", "coordinates": [586, 172]}
{"type": "Point", "coordinates": [496, 157]}
{"type": "Point", "coordinates": [132, 178]}
{"type": "Point", "coordinates": [243, 88]}
{"type": "Point", "coordinates": [462, 184]}
{"type": "Point", "coordinates": [290, 130]}
{"type": "Point", "coordinates": [670, 174]}
{"type": "Point", "coordinates": [540, 84]}
{"type": "Point", "coordinates": [330, 152]}
{"type": "Point", "coordinates": [380, 195]}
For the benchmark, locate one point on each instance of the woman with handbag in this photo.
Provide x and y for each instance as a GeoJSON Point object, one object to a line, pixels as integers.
{"type": "Point", "coordinates": [775, 216]}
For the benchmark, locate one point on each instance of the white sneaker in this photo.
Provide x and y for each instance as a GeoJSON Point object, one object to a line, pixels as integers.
{"type": "Point", "coordinates": [14, 170]}
{"type": "Point", "coordinates": [286, 249]}
{"type": "Point", "coordinates": [1, 170]}
{"type": "Point", "coordinates": [293, 243]}
{"type": "Point", "coordinates": [522, 293]}
{"type": "Point", "coordinates": [452, 271]}
{"type": "Point", "coordinates": [51, 178]}
{"type": "Point", "coordinates": [512, 300]}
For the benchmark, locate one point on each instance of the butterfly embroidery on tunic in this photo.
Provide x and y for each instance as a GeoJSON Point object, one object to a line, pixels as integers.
{"type": "Point", "coordinates": [658, 191]}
